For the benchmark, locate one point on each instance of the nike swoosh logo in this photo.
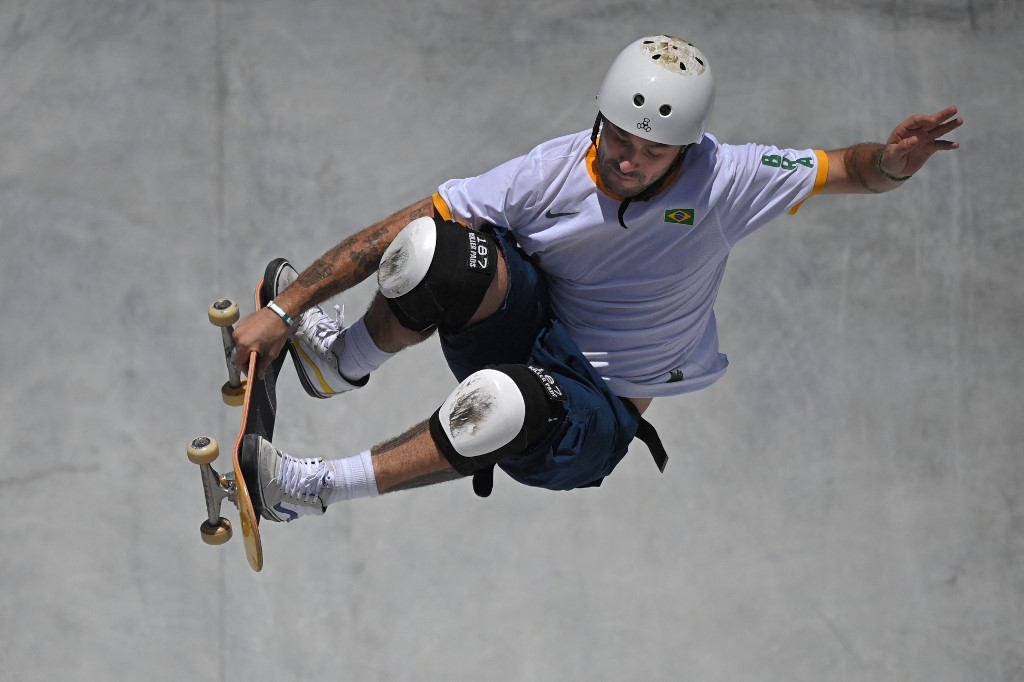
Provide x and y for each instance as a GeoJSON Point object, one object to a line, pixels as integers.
{"type": "Point", "coordinates": [549, 214]}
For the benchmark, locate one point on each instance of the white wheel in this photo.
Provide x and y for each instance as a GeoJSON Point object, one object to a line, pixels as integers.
{"type": "Point", "coordinates": [223, 313]}
{"type": "Point", "coordinates": [234, 396]}
{"type": "Point", "coordinates": [215, 535]}
{"type": "Point", "coordinates": [202, 450]}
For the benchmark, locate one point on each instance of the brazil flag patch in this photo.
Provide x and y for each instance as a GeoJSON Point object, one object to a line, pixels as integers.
{"type": "Point", "coordinates": [679, 216]}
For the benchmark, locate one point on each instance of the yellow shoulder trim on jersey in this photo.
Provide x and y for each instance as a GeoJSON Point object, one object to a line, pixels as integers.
{"type": "Point", "coordinates": [592, 170]}
{"type": "Point", "coordinates": [441, 207]}
{"type": "Point", "coordinates": [819, 179]}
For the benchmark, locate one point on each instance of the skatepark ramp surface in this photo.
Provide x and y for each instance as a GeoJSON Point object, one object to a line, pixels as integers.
{"type": "Point", "coordinates": [846, 504]}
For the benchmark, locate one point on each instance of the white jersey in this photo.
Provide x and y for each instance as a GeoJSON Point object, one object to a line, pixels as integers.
{"type": "Point", "coordinates": [639, 299]}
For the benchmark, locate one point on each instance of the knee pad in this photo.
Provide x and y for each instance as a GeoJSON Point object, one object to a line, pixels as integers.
{"type": "Point", "coordinates": [436, 273]}
{"type": "Point", "coordinates": [496, 413]}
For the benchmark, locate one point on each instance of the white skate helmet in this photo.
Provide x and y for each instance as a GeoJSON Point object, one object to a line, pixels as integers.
{"type": "Point", "coordinates": [661, 89]}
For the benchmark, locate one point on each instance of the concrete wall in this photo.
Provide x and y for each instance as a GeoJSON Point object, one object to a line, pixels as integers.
{"type": "Point", "coordinates": [847, 504]}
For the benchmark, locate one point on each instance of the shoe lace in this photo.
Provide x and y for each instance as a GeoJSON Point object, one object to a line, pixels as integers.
{"type": "Point", "coordinates": [303, 479]}
{"type": "Point", "coordinates": [320, 330]}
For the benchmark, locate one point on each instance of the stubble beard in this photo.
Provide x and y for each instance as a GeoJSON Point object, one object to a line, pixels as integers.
{"type": "Point", "coordinates": [607, 169]}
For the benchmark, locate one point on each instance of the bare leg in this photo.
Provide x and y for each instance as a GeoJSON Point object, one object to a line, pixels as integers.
{"type": "Point", "coordinates": [413, 460]}
{"type": "Point", "coordinates": [410, 461]}
{"type": "Point", "coordinates": [385, 329]}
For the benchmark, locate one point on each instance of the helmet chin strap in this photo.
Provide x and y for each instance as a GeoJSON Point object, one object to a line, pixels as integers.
{"type": "Point", "coordinates": [654, 187]}
{"type": "Point", "coordinates": [597, 128]}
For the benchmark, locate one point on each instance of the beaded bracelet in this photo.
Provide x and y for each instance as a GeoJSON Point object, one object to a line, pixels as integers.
{"type": "Point", "coordinates": [886, 174]}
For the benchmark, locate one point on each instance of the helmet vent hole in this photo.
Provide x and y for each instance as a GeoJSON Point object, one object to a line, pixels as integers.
{"type": "Point", "coordinates": [656, 57]}
{"type": "Point", "coordinates": [699, 61]}
{"type": "Point", "coordinates": [665, 110]}
{"type": "Point", "coordinates": [682, 66]}
{"type": "Point", "coordinates": [638, 99]}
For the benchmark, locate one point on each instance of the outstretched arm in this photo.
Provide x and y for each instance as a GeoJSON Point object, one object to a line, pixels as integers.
{"type": "Point", "coordinates": [342, 267]}
{"type": "Point", "coordinates": [875, 168]}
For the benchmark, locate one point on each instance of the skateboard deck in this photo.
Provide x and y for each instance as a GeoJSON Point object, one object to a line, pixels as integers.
{"type": "Point", "coordinates": [247, 515]}
{"type": "Point", "coordinates": [258, 399]}
{"type": "Point", "coordinates": [259, 414]}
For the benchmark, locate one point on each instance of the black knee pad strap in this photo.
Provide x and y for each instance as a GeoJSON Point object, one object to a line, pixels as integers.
{"type": "Point", "coordinates": [464, 264]}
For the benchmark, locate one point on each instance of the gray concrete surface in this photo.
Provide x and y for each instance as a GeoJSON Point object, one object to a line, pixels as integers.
{"type": "Point", "coordinates": [847, 504]}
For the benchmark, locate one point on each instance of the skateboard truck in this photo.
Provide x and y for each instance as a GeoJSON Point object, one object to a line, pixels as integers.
{"type": "Point", "coordinates": [224, 313]}
{"type": "Point", "coordinates": [216, 530]}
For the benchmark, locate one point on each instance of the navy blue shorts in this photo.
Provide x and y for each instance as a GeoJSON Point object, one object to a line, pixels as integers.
{"type": "Point", "coordinates": [599, 425]}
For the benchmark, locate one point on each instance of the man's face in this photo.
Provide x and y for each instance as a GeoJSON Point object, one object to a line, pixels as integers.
{"type": "Point", "coordinates": [628, 164]}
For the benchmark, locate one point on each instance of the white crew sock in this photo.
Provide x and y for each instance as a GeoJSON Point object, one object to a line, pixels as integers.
{"type": "Point", "coordinates": [352, 478]}
{"type": "Point", "coordinates": [359, 354]}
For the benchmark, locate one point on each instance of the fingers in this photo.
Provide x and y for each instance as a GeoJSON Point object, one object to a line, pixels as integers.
{"type": "Point", "coordinates": [937, 131]}
{"type": "Point", "coordinates": [239, 358]}
{"type": "Point", "coordinates": [240, 355]}
{"type": "Point", "coordinates": [934, 119]}
{"type": "Point", "coordinates": [262, 363]}
{"type": "Point", "coordinates": [907, 144]}
{"type": "Point", "coordinates": [923, 132]}
{"type": "Point", "coordinates": [936, 125]}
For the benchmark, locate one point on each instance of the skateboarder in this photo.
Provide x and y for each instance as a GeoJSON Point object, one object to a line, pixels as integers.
{"type": "Point", "coordinates": [569, 287]}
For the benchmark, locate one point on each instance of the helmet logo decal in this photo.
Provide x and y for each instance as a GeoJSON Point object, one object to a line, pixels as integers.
{"type": "Point", "coordinates": [644, 125]}
{"type": "Point", "coordinates": [675, 55]}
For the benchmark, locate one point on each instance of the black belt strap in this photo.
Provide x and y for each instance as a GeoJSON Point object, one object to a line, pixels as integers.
{"type": "Point", "coordinates": [483, 482]}
{"type": "Point", "coordinates": [649, 435]}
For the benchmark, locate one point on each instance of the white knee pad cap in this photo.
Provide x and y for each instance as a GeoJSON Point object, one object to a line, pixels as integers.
{"type": "Point", "coordinates": [407, 258]}
{"type": "Point", "coordinates": [483, 414]}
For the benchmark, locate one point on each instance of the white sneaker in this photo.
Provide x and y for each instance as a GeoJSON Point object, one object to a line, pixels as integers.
{"type": "Point", "coordinates": [315, 345]}
{"type": "Point", "coordinates": [283, 487]}
{"type": "Point", "coordinates": [311, 342]}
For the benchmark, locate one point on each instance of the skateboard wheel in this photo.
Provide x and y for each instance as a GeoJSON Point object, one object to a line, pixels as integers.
{"type": "Point", "coordinates": [202, 450]}
{"type": "Point", "coordinates": [234, 396]}
{"type": "Point", "coordinates": [216, 535]}
{"type": "Point", "coordinates": [223, 313]}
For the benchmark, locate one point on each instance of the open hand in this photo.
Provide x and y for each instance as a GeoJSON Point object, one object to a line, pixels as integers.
{"type": "Point", "coordinates": [914, 141]}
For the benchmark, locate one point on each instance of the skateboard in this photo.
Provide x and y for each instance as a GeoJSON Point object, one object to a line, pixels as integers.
{"type": "Point", "coordinates": [258, 400]}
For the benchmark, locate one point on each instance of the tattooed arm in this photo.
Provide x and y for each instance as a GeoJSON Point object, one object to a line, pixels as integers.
{"type": "Point", "coordinates": [350, 262]}
{"type": "Point", "coordinates": [342, 267]}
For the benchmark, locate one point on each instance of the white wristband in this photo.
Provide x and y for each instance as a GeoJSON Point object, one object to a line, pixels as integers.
{"type": "Point", "coordinates": [282, 314]}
